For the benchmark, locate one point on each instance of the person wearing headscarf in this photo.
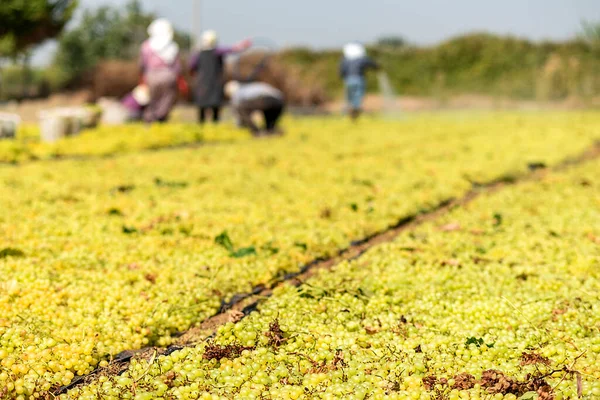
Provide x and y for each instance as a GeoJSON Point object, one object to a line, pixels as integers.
{"type": "Point", "coordinates": [353, 68]}
{"type": "Point", "coordinates": [160, 68]}
{"type": "Point", "coordinates": [207, 66]}
{"type": "Point", "coordinates": [246, 98]}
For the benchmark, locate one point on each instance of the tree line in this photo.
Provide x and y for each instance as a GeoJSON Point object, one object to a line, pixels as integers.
{"type": "Point", "coordinates": [474, 63]}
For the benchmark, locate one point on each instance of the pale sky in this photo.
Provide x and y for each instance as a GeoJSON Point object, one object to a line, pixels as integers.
{"type": "Point", "coordinates": [331, 23]}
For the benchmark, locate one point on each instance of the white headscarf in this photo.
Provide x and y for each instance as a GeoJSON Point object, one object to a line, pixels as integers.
{"type": "Point", "coordinates": [209, 40]}
{"type": "Point", "coordinates": [161, 40]}
{"type": "Point", "coordinates": [231, 88]}
{"type": "Point", "coordinates": [353, 51]}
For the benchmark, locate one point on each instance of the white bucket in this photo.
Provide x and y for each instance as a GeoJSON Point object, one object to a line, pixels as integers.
{"type": "Point", "coordinates": [113, 112]}
{"type": "Point", "coordinates": [61, 122]}
{"type": "Point", "coordinates": [52, 127]}
{"type": "Point", "coordinates": [9, 123]}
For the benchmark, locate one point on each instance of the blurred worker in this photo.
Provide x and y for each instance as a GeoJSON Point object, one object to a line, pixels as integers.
{"type": "Point", "coordinates": [352, 70]}
{"type": "Point", "coordinates": [161, 70]}
{"type": "Point", "coordinates": [207, 66]}
{"type": "Point", "coordinates": [135, 102]}
{"type": "Point", "coordinates": [247, 98]}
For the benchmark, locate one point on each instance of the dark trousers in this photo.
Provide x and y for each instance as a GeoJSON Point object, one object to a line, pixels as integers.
{"type": "Point", "coordinates": [272, 115]}
{"type": "Point", "coordinates": [216, 114]}
{"type": "Point", "coordinates": [271, 108]}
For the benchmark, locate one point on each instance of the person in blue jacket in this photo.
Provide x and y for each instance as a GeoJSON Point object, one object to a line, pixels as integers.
{"type": "Point", "coordinates": [353, 68]}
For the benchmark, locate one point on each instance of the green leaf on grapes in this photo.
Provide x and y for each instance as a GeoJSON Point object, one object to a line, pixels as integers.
{"type": "Point", "coordinates": [243, 252]}
{"type": "Point", "coordinates": [303, 246]}
{"type": "Point", "coordinates": [304, 292]}
{"type": "Point", "coordinates": [364, 182]}
{"type": "Point", "coordinates": [354, 207]}
{"type": "Point", "coordinates": [536, 165]}
{"type": "Point", "coordinates": [473, 340]}
{"type": "Point", "coordinates": [186, 229]}
{"type": "Point", "coordinates": [497, 219]}
{"type": "Point", "coordinates": [166, 231]}
{"type": "Point", "coordinates": [270, 248]}
{"type": "Point", "coordinates": [478, 342]}
{"type": "Point", "coordinates": [129, 229]}
{"type": "Point", "coordinates": [223, 240]}
{"type": "Point", "coordinates": [115, 212]}
{"type": "Point", "coordinates": [11, 252]}
{"type": "Point", "coordinates": [122, 189]}
{"type": "Point", "coordinates": [171, 184]}
{"type": "Point", "coordinates": [313, 293]}
{"type": "Point", "coordinates": [529, 396]}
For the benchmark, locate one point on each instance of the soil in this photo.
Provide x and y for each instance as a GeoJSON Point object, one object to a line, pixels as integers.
{"type": "Point", "coordinates": [186, 112]}
{"type": "Point", "coordinates": [377, 103]}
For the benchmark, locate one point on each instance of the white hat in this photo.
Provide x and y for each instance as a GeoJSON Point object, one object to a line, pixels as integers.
{"type": "Point", "coordinates": [231, 88]}
{"type": "Point", "coordinates": [209, 39]}
{"type": "Point", "coordinates": [141, 94]}
{"type": "Point", "coordinates": [160, 32]}
{"type": "Point", "coordinates": [161, 40]}
{"type": "Point", "coordinates": [353, 51]}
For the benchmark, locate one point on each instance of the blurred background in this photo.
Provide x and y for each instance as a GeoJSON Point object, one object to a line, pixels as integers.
{"type": "Point", "coordinates": [436, 54]}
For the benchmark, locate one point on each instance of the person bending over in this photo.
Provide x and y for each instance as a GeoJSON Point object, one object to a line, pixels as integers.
{"type": "Point", "coordinates": [247, 98]}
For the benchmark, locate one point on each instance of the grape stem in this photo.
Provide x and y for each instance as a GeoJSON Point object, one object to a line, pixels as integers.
{"type": "Point", "coordinates": [150, 362]}
{"type": "Point", "coordinates": [569, 371]}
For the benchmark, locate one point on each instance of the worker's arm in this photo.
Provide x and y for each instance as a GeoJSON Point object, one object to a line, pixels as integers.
{"type": "Point", "coordinates": [245, 118]}
{"type": "Point", "coordinates": [241, 46]}
{"type": "Point", "coordinates": [236, 48]}
{"type": "Point", "coordinates": [194, 64]}
{"type": "Point", "coordinates": [177, 67]}
{"type": "Point", "coordinates": [370, 63]}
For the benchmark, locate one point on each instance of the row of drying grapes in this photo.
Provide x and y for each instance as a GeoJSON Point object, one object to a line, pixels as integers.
{"type": "Point", "coordinates": [100, 256]}
{"type": "Point", "coordinates": [110, 140]}
{"type": "Point", "coordinates": [497, 300]}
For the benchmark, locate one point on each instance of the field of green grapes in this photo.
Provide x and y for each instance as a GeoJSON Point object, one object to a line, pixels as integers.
{"type": "Point", "coordinates": [102, 255]}
{"type": "Point", "coordinates": [111, 140]}
{"type": "Point", "coordinates": [497, 300]}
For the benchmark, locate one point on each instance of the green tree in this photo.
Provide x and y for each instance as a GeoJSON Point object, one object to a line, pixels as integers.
{"type": "Point", "coordinates": [590, 33]}
{"type": "Point", "coordinates": [25, 23]}
{"type": "Point", "coordinates": [107, 33]}
{"type": "Point", "coordinates": [391, 42]}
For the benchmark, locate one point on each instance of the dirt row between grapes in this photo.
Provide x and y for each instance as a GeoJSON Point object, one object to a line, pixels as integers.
{"type": "Point", "coordinates": [244, 304]}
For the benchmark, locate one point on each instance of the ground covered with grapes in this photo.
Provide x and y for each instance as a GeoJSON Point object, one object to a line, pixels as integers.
{"type": "Point", "coordinates": [104, 255]}
{"type": "Point", "coordinates": [497, 300]}
{"type": "Point", "coordinates": [112, 140]}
